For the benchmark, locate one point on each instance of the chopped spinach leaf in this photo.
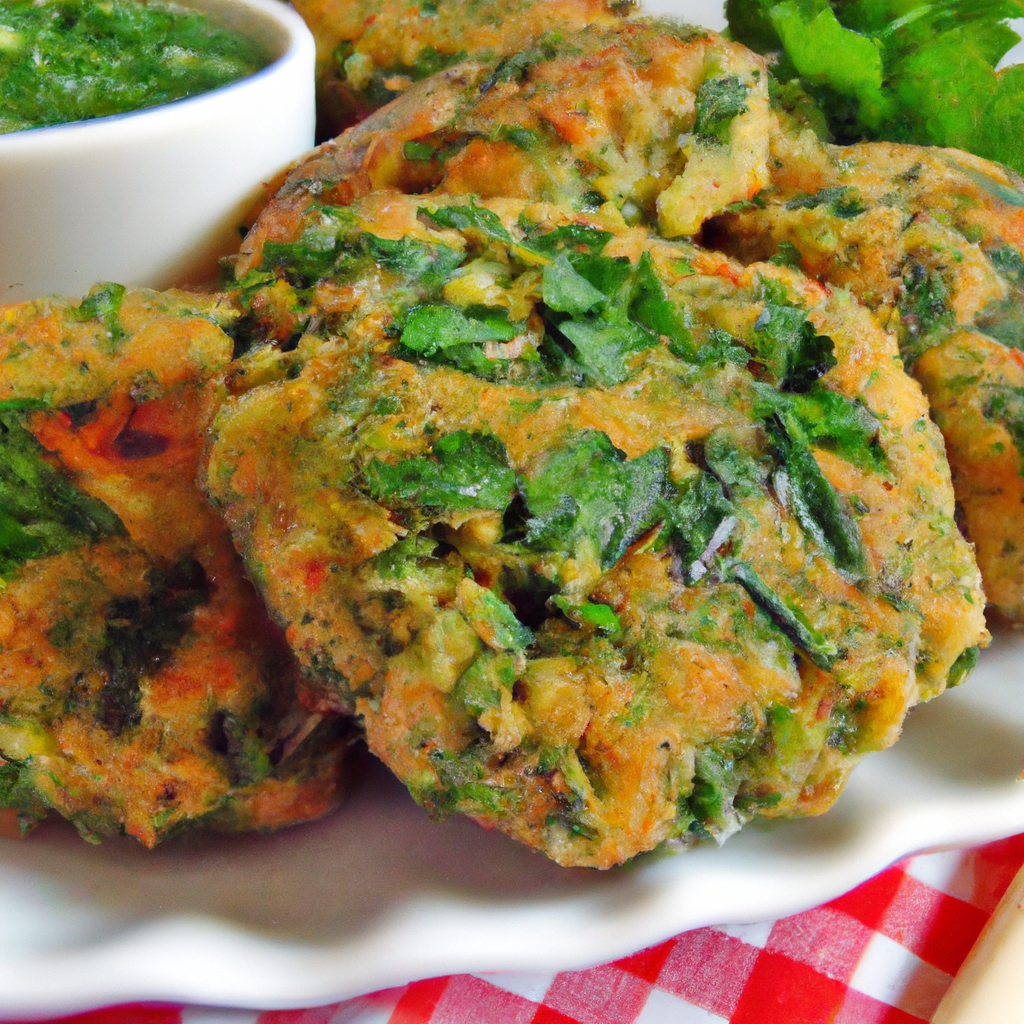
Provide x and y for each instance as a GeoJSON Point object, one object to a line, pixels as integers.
{"type": "Point", "coordinates": [472, 217]}
{"type": "Point", "coordinates": [964, 665]}
{"type": "Point", "coordinates": [585, 492]}
{"type": "Point", "coordinates": [841, 200]}
{"type": "Point", "coordinates": [41, 511]}
{"type": "Point", "coordinates": [813, 499]}
{"type": "Point", "coordinates": [602, 346]}
{"type": "Point", "coordinates": [718, 348]}
{"type": "Point", "coordinates": [924, 309]}
{"type": "Point", "coordinates": [609, 275]}
{"type": "Point", "coordinates": [1006, 406]}
{"type": "Point", "coordinates": [494, 619]}
{"type": "Point", "coordinates": [464, 470]}
{"type": "Point", "coordinates": [789, 619]}
{"type": "Point", "coordinates": [430, 60]}
{"type": "Point", "coordinates": [103, 303]}
{"type": "Point", "coordinates": [598, 616]}
{"type": "Point", "coordinates": [649, 306]}
{"type": "Point", "coordinates": [515, 68]}
{"type": "Point", "coordinates": [719, 101]}
{"type": "Point", "coordinates": [430, 329]}
{"type": "Point", "coordinates": [140, 633]}
{"type": "Point", "coordinates": [567, 291]}
{"type": "Point", "coordinates": [522, 138]}
{"type": "Point", "coordinates": [789, 347]}
{"type": "Point", "coordinates": [572, 238]}
{"type": "Point", "coordinates": [710, 804]}
{"type": "Point", "coordinates": [431, 264]}
{"type": "Point", "coordinates": [1009, 262]}
{"type": "Point", "coordinates": [481, 685]}
{"type": "Point", "coordinates": [829, 420]}
{"type": "Point", "coordinates": [788, 255]}
{"type": "Point", "coordinates": [421, 151]}
{"type": "Point", "coordinates": [698, 521]}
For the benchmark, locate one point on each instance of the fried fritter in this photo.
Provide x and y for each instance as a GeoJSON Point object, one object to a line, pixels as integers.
{"type": "Point", "coordinates": [669, 124]}
{"type": "Point", "coordinates": [607, 540]}
{"type": "Point", "coordinates": [369, 51]}
{"type": "Point", "coordinates": [142, 686]}
{"type": "Point", "coordinates": [933, 241]}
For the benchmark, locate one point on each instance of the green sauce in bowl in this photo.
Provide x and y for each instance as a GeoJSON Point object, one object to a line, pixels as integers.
{"type": "Point", "coordinates": [73, 60]}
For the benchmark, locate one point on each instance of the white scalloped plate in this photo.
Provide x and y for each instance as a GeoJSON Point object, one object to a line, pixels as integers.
{"type": "Point", "coordinates": [377, 895]}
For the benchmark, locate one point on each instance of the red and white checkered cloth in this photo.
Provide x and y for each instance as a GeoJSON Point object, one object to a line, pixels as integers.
{"type": "Point", "coordinates": [884, 953]}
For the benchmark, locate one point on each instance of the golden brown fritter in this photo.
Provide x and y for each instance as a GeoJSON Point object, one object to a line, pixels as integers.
{"type": "Point", "coordinates": [933, 241]}
{"type": "Point", "coordinates": [606, 539]}
{"type": "Point", "coordinates": [370, 51]}
{"type": "Point", "coordinates": [142, 686]}
{"type": "Point", "coordinates": [668, 124]}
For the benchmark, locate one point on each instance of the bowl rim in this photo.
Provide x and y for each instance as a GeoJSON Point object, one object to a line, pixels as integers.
{"type": "Point", "coordinates": [297, 45]}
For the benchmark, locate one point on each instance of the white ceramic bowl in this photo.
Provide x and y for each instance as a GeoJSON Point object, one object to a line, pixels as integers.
{"type": "Point", "coordinates": [155, 196]}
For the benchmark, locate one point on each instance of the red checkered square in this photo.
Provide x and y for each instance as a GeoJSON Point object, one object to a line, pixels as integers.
{"type": "Point", "coordinates": [783, 990]}
{"type": "Point", "coordinates": [870, 900]}
{"type": "Point", "coordinates": [418, 1002]}
{"type": "Point", "coordinates": [859, 1008]}
{"type": "Point", "coordinates": [825, 939]}
{"type": "Point", "coordinates": [603, 995]}
{"type": "Point", "coordinates": [993, 866]}
{"type": "Point", "coordinates": [136, 1013]}
{"type": "Point", "coordinates": [469, 1000]}
{"type": "Point", "coordinates": [646, 964]}
{"type": "Point", "coordinates": [709, 969]}
{"type": "Point", "coordinates": [938, 928]}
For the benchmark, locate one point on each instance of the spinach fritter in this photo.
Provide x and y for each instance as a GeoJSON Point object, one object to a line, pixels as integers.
{"type": "Point", "coordinates": [669, 124]}
{"type": "Point", "coordinates": [932, 240]}
{"type": "Point", "coordinates": [370, 51]}
{"type": "Point", "coordinates": [607, 540]}
{"type": "Point", "coordinates": [142, 686]}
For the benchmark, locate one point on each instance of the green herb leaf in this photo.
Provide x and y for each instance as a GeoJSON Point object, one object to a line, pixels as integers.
{"type": "Point", "coordinates": [41, 511]}
{"type": "Point", "coordinates": [464, 470]}
{"type": "Point", "coordinates": [925, 310]}
{"type": "Point", "coordinates": [103, 303]}
{"type": "Point", "coordinates": [650, 307]}
{"type": "Point", "coordinates": [430, 329]}
{"type": "Point", "coordinates": [566, 291]}
{"type": "Point", "coordinates": [414, 150]}
{"type": "Point", "coordinates": [698, 521]}
{"type": "Point", "coordinates": [585, 492]}
{"type": "Point", "coordinates": [429, 264]}
{"type": "Point", "coordinates": [495, 619]}
{"type": "Point", "coordinates": [719, 100]}
{"type": "Point", "coordinates": [964, 665]}
{"type": "Point", "coordinates": [828, 420]}
{"type": "Point", "coordinates": [788, 345]}
{"type": "Point", "coordinates": [789, 619]}
{"type": "Point", "coordinates": [1006, 407]}
{"type": "Point", "coordinates": [813, 499]}
{"type": "Point", "coordinates": [571, 238]}
{"type": "Point", "coordinates": [472, 217]}
{"type": "Point", "coordinates": [140, 633]}
{"type": "Point", "coordinates": [602, 347]}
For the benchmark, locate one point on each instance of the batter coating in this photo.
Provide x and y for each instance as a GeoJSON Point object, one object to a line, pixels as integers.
{"type": "Point", "coordinates": [606, 539]}
{"type": "Point", "coordinates": [142, 686]}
